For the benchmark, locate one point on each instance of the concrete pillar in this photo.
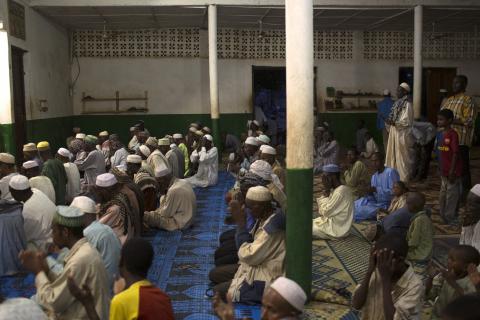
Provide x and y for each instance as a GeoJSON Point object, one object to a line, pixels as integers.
{"type": "Point", "coordinates": [417, 62]}
{"type": "Point", "coordinates": [213, 73]}
{"type": "Point", "coordinates": [299, 62]}
{"type": "Point", "coordinates": [7, 143]}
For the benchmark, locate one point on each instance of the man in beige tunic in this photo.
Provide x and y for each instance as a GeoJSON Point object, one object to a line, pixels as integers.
{"type": "Point", "coordinates": [83, 263]}
{"type": "Point", "coordinates": [177, 204]}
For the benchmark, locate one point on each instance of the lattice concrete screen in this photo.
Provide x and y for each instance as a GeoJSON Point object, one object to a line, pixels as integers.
{"type": "Point", "coordinates": [390, 45]}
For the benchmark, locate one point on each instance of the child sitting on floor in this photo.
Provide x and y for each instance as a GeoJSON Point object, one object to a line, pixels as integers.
{"type": "Point", "coordinates": [454, 281]}
{"type": "Point", "coordinates": [399, 200]}
{"type": "Point", "coordinates": [371, 146]}
{"type": "Point", "coordinates": [420, 234]}
{"type": "Point", "coordinates": [390, 289]}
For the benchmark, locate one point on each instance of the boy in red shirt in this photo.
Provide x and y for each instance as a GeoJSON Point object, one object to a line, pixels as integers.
{"type": "Point", "coordinates": [450, 166]}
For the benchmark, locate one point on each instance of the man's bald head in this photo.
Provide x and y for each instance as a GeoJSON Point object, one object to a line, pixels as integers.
{"type": "Point", "coordinates": [275, 307]}
{"type": "Point", "coordinates": [415, 202]}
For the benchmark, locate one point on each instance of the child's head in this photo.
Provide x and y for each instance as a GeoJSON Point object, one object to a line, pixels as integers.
{"type": "Point", "coordinates": [394, 241]}
{"type": "Point", "coordinates": [136, 258]}
{"type": "Point", "coordinates": [460, 257]}
{"type": "Point", "coordinates": [399, 188]}
{"type": "Point", "coordinates": [444, 118]}
{"type": "Point", "coordinates": [415, 202]}
{"type": "Point", "coordinates": [463, 308]}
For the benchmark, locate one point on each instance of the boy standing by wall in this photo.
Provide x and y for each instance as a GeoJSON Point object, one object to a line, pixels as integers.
{"type": "Point", "coordinates": [450, 166]}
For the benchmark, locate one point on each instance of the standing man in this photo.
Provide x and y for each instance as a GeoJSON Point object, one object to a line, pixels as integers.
{"type": "Point", "coordinates": [465, 114]}
{"type": "Point", "coordinates": [384, 108]}
{"type": "Point", "coordinates": [93, 165]}
{"type": "Point", "coordinates": [30, 152]}
{"type": "Point", "coordinates": [53, 169]}
{"type": "Point", "coordinates": [37, 181]}
{"type": "Point", "coordinates": [73, 175]}
{"type": "Point", "coordinates": [400, 152]}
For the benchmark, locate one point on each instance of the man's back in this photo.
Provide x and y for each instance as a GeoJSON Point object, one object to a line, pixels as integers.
{"type": "Point", "coordinates": [141, 301]}
{"type": "Point", "coordinates": [43, 184]}
{"type": "Point", "coordinates": [38, 212]}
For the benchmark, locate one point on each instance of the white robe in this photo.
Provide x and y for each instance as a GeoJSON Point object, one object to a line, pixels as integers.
{"type": "Point", "coordinates": [400, 153]}
{"type": "Point", "coordinates": [38, 213]}
{"type": "Point", "coordinates": [73, 184]}
{"type": "Point", "coordinates": [207, 174]}
{"type": "Point", "coordinates": [45, 185]}
{"type": "Point", "coordinates": [336, 214]}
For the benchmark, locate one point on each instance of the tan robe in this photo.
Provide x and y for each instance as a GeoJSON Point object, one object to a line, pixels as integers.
{"type": "Point", "coordinates": [280, 172]}
{"type": "Point", "coordinates": [87, 267]}
{"type": "Point", "coordinates": [157, 160]}
{"type": "Point", "coordinates": [113, 218]}
{"type": "Point", "coordinates": [177, 208]}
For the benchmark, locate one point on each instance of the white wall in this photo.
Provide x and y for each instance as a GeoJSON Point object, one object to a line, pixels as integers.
{"type": "Point", "coordinates": [46, 66]}
{"type": "Point", "coordinates": [180, 86]}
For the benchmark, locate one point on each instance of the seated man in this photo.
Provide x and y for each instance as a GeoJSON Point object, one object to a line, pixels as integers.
{"type": "Point", "coordinates": [7, 171]}
{"type": "Point", "coordinates": [261, 251]}
{"type": "Point", "coordinates": [115, 210]}
{"type": "Point", "coordinates": [335, 207]}
{"type": "Point", "coordinates": [206, 155]}
{"type": "Point", "coordinates": [42, 183]}
{"type": "Point", "coordinates": [356, 174]}
{"type": "Point", "coordinates": [470, 219]}
{"type": "Point", "coordinates": [13, 237]}
{"type": "Point", "coordinates": [141, 299]}
{"type": "Point", "coordinates": [269, 154]}
{"type": "Point", "coordinates": [326, 153]}
{"type": "Point", "coordinates": [381, 191]}
{"type": "Point", "coordinates": [391, 289]}
{"type": "Point", "coordinates": [83, 263]}
{"type": "Point", "coordinates": [264, 170]}
{"type": "Point", "coordinates": [177, 205]}
{"type": "Point", "coordinates": [100, 237]}
{"type": "Point", "coordinates": [38, 212]}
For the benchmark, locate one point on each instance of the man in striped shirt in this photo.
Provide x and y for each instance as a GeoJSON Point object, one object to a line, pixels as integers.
{"type": "Point", "coordinates": [465, 113]}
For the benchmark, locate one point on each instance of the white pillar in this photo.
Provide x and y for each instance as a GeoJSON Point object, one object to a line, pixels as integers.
{"type": "Point", "coordinates": [299, 56]}
{"type": "Point", "coordinates": [417, 62]}
{"type": "Point", "coordinates": [213, 72]}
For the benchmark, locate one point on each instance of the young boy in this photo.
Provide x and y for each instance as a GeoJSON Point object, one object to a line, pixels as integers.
{"type": "Point", "coordinates": [420, 234]}
{"type": "Point", "coordinates": [450, 166]}
{"type": "Point", "coordinates": [455, 281]}
{"type": "Point", "coordinates": [390, 289]}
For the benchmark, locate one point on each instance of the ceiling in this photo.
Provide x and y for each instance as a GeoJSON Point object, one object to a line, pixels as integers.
{"type": "Point", "coordinates": [142, 17]}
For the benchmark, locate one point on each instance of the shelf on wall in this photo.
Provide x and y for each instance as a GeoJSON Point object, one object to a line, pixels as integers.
{"type": "Point", "coordinates": [117, 99]}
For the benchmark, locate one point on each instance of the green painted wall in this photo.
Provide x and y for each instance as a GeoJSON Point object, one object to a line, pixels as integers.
{"type": "Point", "coordinates": [344, 125]}
{"type": "Point", "coordinates": [53, 130]}
{"type": "Point", "coordinates": [7, 138]}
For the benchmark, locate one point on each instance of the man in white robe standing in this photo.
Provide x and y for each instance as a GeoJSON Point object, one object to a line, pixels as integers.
{"type": "Point", "coordinates": [400, 149]}
{"type": "Point", "coordinates": [207, 157]}
{"type": "Point", "coordinates": [73, 175]}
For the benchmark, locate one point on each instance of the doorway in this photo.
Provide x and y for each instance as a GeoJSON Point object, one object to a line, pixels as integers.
{"type": "Point", "coordinates": [434, 80]}
{"type": "Point", "coordinates": [20, 117]}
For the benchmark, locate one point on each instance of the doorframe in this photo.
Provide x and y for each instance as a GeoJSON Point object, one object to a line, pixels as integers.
{"type": "Point", "coordinates": [19, 104]}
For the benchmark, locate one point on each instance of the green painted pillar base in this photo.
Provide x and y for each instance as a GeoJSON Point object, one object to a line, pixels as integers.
{"type": "Point", "coordinates": [216, 135]}
{"type": "Point", "coordinates": [299, 227]}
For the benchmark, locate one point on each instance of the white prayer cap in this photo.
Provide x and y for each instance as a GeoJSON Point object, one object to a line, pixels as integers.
{"type": "Point", "coordinates": [199, 133]}
{"type": "Point", "coordinates": [80, 136]}
{"type": "Point", "coordinates": [262, 169]}
{"type": "Point", "coordinates": [173, 146]}
{"type": "Point", "coordinates": [30, 147]}
{"type": "Point", "coordinates": [208, 137]}
{"type": "Point", "coordinates": [64, 152]}
{"type": "Point", "coordinates": [103, 134]}
{"type": "Point", "coordinates": [231, 157]}
{"type": "Point", "coordinates": [443, 90]}
{"type": "Point", "coordinates": [162, 171]}
{"type": "Point", "coordinates": [251, 141]}
{"type": "Point", "coordinates": [164, 142]}
{"type": "Point", "coordinates": [386, 92]}
{"type": "Point", "coordinates": [194, 125]}
{"type": "Point", "coordinates": [192, 129]}
{"type": "Point", "coordinates": [85, 204]}
{"type": "Point", "coordinates": [69, 216]}
{"type": "Point", "coordinates": [263, 138]}
{"type": "Point", "coordinates": [177, 136]}
{"type": "Point", "coordinates": [268, 150]}
{"type": "Point", "coordinates": [256, 123]}
{"type": "Point", "coordinates": [134, 158]}
{"type": "Point", "coordinates": [106, 180]}
{"type": "Point", "coordinates": [133, 129]}
{"type": "Point", "coordinates": [7, 158]}
{"type": "Point", "coordinates": [207, 130]}
{"type": "Point", "coordinates": [290, 291]}
{"type": "Point", "coordinates": [405, 86]}
{"type": "Point", "coordinates": [152, 142]}
{"type": "Point", "coordinates": [259, 193]}
{"type": "Point", "coordinates": [476, 190]}
{"type": "Point", "coordinates": [144, 150]}
{"type": "Point", "coordinates": [30, 164]}
{"type": "Point", "coordinates": [19, 182]}
{"type": "Point", "coordinates": [122, 168]}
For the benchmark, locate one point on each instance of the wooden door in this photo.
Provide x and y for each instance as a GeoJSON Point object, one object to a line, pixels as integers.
{"type": "Point", "coordinates": [20, 118]}
{"type": "Point", "coordinates": [436, 79]}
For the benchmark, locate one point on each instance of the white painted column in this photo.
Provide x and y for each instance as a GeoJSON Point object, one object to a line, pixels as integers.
{"type": "Point", "coordinates": [213, 72]}
{"type": "Point", "coordinates": [299, 62]}
{"type": "Point", "coordinates": [417, 62]}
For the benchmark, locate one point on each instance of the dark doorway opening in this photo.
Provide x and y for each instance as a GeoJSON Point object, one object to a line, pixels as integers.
{"type": "Point", "coordinates": [434, 80]}
{"type": "Point", "coordinates": [20, 117]}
